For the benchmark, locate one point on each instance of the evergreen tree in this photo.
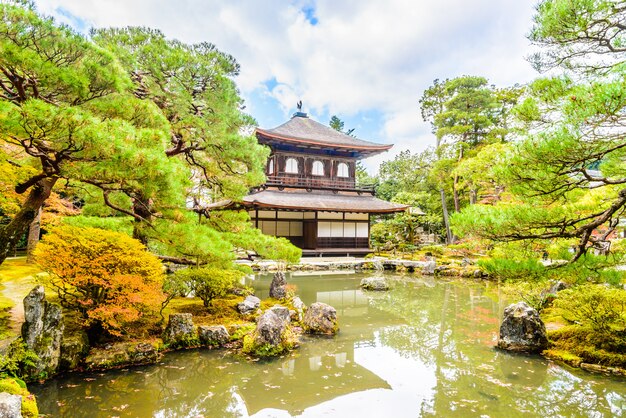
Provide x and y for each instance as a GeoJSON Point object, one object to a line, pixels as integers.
{"type": "Point", "coordinates": [567, 177]}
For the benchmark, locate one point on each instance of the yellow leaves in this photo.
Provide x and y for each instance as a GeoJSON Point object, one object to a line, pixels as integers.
{"type": "Point", "coordinates": [106, 275]}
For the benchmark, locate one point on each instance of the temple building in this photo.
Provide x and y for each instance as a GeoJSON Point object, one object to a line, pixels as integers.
{"type": "Point", "coordinates": [311, 196]}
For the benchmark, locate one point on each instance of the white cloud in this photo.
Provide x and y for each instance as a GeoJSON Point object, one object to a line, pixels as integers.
{"type": "Point", "coordinates": [362, 55]}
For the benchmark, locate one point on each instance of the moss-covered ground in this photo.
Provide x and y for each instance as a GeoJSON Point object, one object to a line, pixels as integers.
{"type": "Point", "coordinates": [17, 277]}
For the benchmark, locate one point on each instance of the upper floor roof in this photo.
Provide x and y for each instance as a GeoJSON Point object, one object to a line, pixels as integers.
{"type": "Point", "coordinates": [305, 133]}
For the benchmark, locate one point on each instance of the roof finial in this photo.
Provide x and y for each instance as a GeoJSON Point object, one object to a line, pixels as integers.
{"type": "Point", "coordinates": [300, 113]}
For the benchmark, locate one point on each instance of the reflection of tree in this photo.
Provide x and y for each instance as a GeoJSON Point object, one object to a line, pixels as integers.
{"type": "Point", "coordinates": [453, 327]}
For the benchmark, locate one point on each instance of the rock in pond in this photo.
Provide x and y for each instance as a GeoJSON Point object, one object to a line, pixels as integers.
{"type": "Point", "coordinates": [42, 332]}
{"type": "Point", "coordinates": [213, 336]}
{"type": "Point", "coordinates": [271, 337]}
{"type": "Point", "coordinates": [429, 268]}
{"type": "Point", "coordinates": [374, 283]}
{"type": "Point", "coordinates": [269, 328]}
{"type": "Point", "coordinates": [299, 306]}
{"type": "Point", "coordinates": [180, 331]}
{"type": "Point", "coordinates": [121, 355]}
{"type": "Point", "coordinates": [10, 405]}
{"type": "Point", "coordinates": [282, 312]}
{"type": "Point", "coordinates": [321, 318]}
{"type": "Point", "coordinates": [277, 288]}
{"type": "Point", "coordinates": [522, 330]}
{"type": "Point", "coordinates": [250, 304]}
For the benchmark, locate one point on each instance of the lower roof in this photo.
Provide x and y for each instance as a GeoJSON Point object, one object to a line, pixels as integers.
{"type": "Point", "coordinates": [318, 200]}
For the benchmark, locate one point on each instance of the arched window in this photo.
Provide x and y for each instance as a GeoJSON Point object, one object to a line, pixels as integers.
{"type": "Point", "coordinates": [291, 166]}
{"type": "Point", "coordinates": [318, 168]}
{"type": "Point", "coordinates": [342, 170]}
{"type": "Point", "coordinates": [270, 166]}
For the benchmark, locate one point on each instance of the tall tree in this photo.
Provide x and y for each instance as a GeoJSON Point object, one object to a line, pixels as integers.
{"type": "Point", "coordinates": [192, 85]}
{"type": "Point", "coordinates": [57, 91]}
{"type": "Point", "coordinates": [133, 122]}
{"type": "Point", "coordinates": [567, 177]}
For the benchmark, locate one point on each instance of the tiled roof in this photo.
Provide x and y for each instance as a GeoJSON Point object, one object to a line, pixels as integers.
{"type": "Point", "coordinates": [301, 129]}
{"type": "Point", "coordinates": [321, 201]}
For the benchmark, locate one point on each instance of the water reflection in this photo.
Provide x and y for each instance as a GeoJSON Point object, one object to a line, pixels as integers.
{"type": "Point", "coordinates": [423, 349]}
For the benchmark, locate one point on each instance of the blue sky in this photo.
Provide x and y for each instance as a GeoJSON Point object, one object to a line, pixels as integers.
{"type": "Point", "coordinates": [367, 61]}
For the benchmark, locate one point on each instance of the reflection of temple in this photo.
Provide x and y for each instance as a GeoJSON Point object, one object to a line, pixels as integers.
{"type": "Point", "coordinates": [309, 377]}
{"type": "Point", "coordinates": [299, 382]}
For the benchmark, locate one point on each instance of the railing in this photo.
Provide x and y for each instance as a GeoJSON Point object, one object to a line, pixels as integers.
{"type": "Point", "coordinates": [317, 183]}
{"type": "Point", "coordinates": [342, 242]}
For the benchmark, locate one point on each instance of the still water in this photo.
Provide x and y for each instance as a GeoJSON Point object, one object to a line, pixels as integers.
{"type": "Point", "coordinates": [425, 348]}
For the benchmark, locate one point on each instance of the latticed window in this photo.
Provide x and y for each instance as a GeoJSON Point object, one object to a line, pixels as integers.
{"type": "Point", "coordinates": [318, 168]}
{"type": "Point", "coordinates": [291, 166]}
{"type": "Point", "coordinates": [270, 167]}
{"type": "Point", "coordinates": [342, 170]}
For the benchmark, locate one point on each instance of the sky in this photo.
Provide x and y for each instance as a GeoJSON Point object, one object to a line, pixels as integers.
{"type": "Point", "coordinates": [366, 61]}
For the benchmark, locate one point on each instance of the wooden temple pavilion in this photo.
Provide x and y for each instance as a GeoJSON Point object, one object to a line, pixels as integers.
{"type": "Point", "coordinates": [311, 196]}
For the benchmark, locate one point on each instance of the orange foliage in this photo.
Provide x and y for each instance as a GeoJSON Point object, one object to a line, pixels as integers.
{"type": "Point", "coordinates": [107, 276]}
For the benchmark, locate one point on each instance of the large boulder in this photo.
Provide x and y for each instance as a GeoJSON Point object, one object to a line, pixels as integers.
{"type": "Point", "coordinates": [250, 304]}
{"type": "Point", "coordinates": [272, 336]}
{"type": "Point", "coordinates": [180, 331]}
{"type": "Point", "coordinates": [74, 349]}
{"type": "Point", "coordinates": [429, 267]}
{"type": "Point", "coordinates": [269, 328]}
{"type": "Point", "coordinates": [10, 405]}
{"type": "Point", "coordinates": [42, 332]}
{"type": "Point", "coordinates": [522, 330]}
{"type": "Point", "coordinates": [321, 318]}
{"type": "Point", "coordinates": [213, 336]}
{"type": "Point", "coordinates": [122, 354]}
{"type": "Point", "coordinates": [374, 283]}
{"type": "Point", "coordinates": [282, 312]}
{"type": "Point", "coordinates": [277, 288]}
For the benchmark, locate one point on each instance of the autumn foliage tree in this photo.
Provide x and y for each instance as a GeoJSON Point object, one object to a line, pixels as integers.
{"type": "Point", "coordinates": [108, 277]}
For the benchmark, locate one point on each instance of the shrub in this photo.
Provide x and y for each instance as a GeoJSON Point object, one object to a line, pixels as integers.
{"type": "Point", "coordinates": [16, 359]}
{"type": "Point", "coordinates": [107, 276]}
{"type": "Point", "coordinates": [208, 283]}
{"type": "Point", "coordinates": [598, 307]}
{"type": "Point", "coordinates": [508, 269]}
{"type": "Point", "coordinates": [535, 294]}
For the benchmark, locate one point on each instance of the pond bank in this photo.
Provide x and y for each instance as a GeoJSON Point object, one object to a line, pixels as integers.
{"type": "Point", "coordinates": [432, 266]}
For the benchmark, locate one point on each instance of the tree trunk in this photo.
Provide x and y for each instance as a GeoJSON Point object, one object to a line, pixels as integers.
{"type": "Point", "coordinates": [457, 200]}
{"type": "Point", "coordinates": [446, 222]}
{"type": "Point", "coordinates": [13, 232]}
{"type": "Point", "coordinates": [34, 232]}
{"type": "Point", "coordinates": [455, 192]}
{"type": "Point", "coordinates": [141, 207]}
{"type": "Point", "coordinates": [473, 196]}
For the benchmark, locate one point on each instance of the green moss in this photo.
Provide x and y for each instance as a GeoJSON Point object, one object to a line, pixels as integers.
{"type": "Point", "coordinates": [223, 311]}
{"type": "Point", "coordinates": [564, 356]}
{"type": "Point", "coordinates": [18, 387]}
{"type": "Point", "coordinates": [288, 341]}
{"type": "Point", "coordinates": [241, 331]}
{"type": "Point", "coordinates": [583, 343]}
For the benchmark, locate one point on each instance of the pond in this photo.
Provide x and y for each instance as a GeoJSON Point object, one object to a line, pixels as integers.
{"type": "Point", "coordinates": [425, 348]}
